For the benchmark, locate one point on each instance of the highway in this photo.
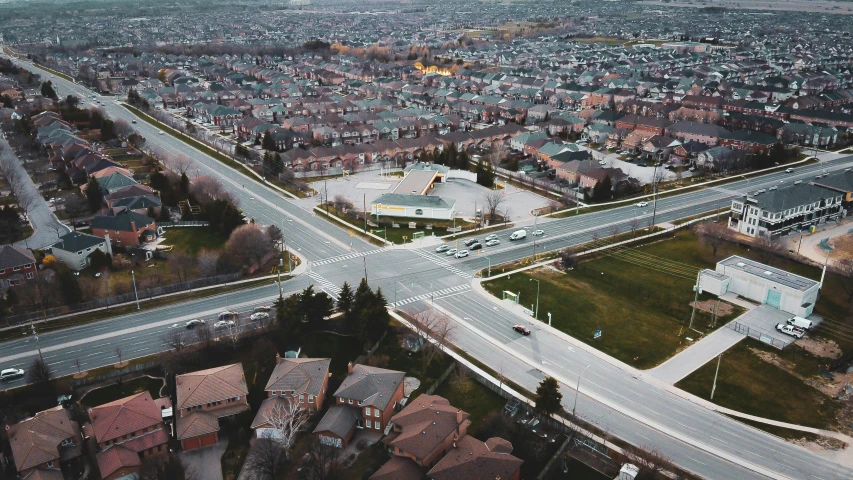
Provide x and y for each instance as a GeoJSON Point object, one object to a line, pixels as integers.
{"type": "Point", "coordinates": [620, 400]}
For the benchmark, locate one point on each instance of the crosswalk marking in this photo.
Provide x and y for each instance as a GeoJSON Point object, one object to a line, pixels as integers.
{"type": "Point", "coordinates": [441, 262]}
{"type": "Point", "coordinates": [432, 295]}
{"type": "Point", "coordinates": [346, 256]}
{"type": "Point", "coordinates": [333, 290]}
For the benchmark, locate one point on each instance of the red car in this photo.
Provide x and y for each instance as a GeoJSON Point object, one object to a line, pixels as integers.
{"type": "Point", "coordinates": [521, 329]}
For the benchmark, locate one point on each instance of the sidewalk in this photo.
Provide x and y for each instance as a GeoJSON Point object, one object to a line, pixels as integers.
{"type": "Point", "coordinates": [699, 353]}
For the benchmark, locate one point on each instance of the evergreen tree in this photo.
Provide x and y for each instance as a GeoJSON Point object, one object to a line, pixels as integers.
{"type": "Point", "coordinates": [94, 196]}
{"type": "Point", "coordinates": [184, 185]}
{"type": "Point", "coordinates": [47, 90]}
{"type": "Point", "coordinates": [287, 316]}
{"type": "Point", "coordinates": [268, 143]}
{"type": "Point", "coordinates": [548, 397]}
{"type": "Point", "coordinates": [345, 299]}
{"type": "Point", "coordinates": [603, 190]}
{"type": "Point", "coordinates": [277, 164]}
{"type": "Point", "coordinates": [363, 298]}
{"type": "Point", "coordinates": [69, 285]}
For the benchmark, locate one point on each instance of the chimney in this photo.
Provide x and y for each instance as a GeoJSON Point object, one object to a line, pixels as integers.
{"type": "Point", "coordinates": [349, 368]}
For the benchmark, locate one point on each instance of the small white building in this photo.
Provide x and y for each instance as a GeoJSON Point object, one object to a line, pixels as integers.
{"type": "Point", "coordinates": [762, 283]}
{"type": "Point", "coordinates": [74, 248]}
{"type": "Point", "coordinates": [413, 206]}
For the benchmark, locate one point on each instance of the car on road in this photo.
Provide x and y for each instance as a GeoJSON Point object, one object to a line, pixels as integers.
{"type": "Point", "coordinates": [493, 242]}
{"type": "Point", "coordinates": [160, 132]}
{"type": "Point", "coordinates": [228, 315]}
{"type": "Point", "coordinates": [442, 248]}
{"type": "Point", "coordinates": [224, 324]}
{"type": "Point", "coordinates": [790, 330]}
{"type": "Point", "coordinates": [641, 204]}
{"type": "Point", "coordinates": [133, 121]}
{"type": "Point", "coordinates": [259, 316]}
{"type": "Point", "coordinates": [789, 170]}
{"type": "Point", "coordinates": [476, 246]}
{"type": "Point", "coordinates": [471, 241]}
{"type": "Point", "coordinates": [9, 374]}
{"type": "Point", "coordinates": [491, 237]}
{"type": "Point", "coordinates": [262, 308]}
{"type": "Point", "coordinates": [461, 254]}
{"type": "Point", "coordinates": [521, 329]}
{"type": "Point", "coordinates": [450, 252]}
{"type": "Point", "coordinates": [537, 233]}
{"type": "Point", "coordinates": [602, 162]}
{"type": "Point", "coordinates": [194, 322]}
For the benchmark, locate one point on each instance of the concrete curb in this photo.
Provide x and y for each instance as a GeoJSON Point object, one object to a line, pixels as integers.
{"type": "Point", "coordinates": [350, 226]}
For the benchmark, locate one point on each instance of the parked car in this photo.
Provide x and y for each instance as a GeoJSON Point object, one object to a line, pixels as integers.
{"type": "Point", "coordinates": [491, 237]}
{"type": "Point", "coordinates": [450, 252]}
{"type": "Point", "coordinates": [537, 233]}
{"type": "Point", "coordinates": [461, 254]}
{"type": "Point", "coordinates": [224, 324]}
{"type": "Point", "coordinates": [493, 242]}
{"type": "Point", "coordinates": [442, 248]}
{"type": "Point", "coordinates": [789, 170]}
{"type": "Point", "coordinates": [801, 323]}
{"type": "Point", "coordinates": [641, 204]}
{"type": "Point", "coordinates": [10, 374]}
{"type": "Point", "coordinates": [790, 330]}
{"type": "Point", "coordinates": [476, 246]}
{"type": "Point", "coordinates": [521, 329]}
{"type": "Point", "coordinates": [262, 308]}
{"type": "Point", "coordinates": [259, 316]}
{"type": "Point", "coordinates": [511, 408]}
{"type": "Point", "coordinates": [194, 322]}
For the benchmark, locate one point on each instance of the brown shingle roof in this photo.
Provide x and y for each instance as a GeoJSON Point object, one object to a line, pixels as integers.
{"type": "Point", "coordinates": [196, 424]}
{"type": "Point", "coordinates": [299, 375]}
{"type": "Point", "coordinates": [36, 440]}
{"type": "Point", "coordinates": [399, 468]}
{"type": "Point", "coordinates": [117, 457]}
{"type": "Point", "coordinates": [211, 385]}
{"type": "Point", "coordinates": [474, 460]}
{"type": "Point", "coordinates": [426, 423]}
{"type": "Point", "coordinates": [124, 416]}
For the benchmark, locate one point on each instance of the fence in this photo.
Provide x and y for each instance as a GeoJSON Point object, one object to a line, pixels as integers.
{"type": "Point", "coordinates": [124, 298]}
{"type": "Point", "coordinates": [80, 382]}
{"type": "Point", "coordinates": [438, 381]}
{"type": "Point", "coordinates": [188, 223]}
{"type": "Point", "coordinates": [757, 334]}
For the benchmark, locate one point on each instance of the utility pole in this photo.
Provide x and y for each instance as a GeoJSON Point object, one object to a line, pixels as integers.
{"type": "Point", "coordinates": [365, 268]}
{"type": "Point", "coordinates": [695, 299]}
{"type": "Point", "coordinates": [714, 387]}
{"type": "Point", "coordinates": [536, 312]}
{"type": "Point", "coordinates": [134, 289]}
{"type": "Point", "coordinates": [654, 195]}
{"type": "Point", "coordinates": [577, 390]}
{"type": "Point", "coordinates": [364, 199]}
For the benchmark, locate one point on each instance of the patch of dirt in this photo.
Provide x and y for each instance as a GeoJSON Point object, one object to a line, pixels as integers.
{"type": "Point", "coordinates": [843, 246]}
{"type": "Point", "coordinates": [708, 306]}
{"type": "Point", "coordinates": [820, 444]}
{"type": "Point", "coordinates": [824, 385]}
{"type": "Point", "coordinates": [820, 348]}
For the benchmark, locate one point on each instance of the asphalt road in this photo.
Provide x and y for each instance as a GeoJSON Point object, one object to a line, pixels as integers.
{"type": "Point", "coordinates": [46, 227]}
{"type": "Point", "coordinates": [613, 396]}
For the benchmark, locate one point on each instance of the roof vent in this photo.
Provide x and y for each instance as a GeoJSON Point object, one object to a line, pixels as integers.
{"type": "Point", "coordinates": [741, 264]}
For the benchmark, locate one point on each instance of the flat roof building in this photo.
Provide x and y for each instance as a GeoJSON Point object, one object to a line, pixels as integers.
{"type": "Point", "coordinates": [414, 206]}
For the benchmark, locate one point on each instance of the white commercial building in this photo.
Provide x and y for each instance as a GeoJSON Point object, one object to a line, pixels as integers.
{"type": "Point", "coordinates": [762, 283]}
{"type": "Point", "coordinates": [413, 206]}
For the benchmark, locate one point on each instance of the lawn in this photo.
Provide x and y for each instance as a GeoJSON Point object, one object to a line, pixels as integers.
{"type": "Point", "coordinates": [410, 362]}
{"type": "Point", "coordinates": [472, 397]}
{"type": "Point", "coordinates": [110, 393]}
{"type": "Point", "coordinates": [748, 384]}
{"type": "Point", "coordinates": [193, 239]}
{"type": "Point", "coordinates": [638, 300]}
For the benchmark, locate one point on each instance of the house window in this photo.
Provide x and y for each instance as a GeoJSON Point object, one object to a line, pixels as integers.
{"type": "Point", "coordinates": [350, 401]}
{"type": "Point", "coordinates": [15, 269]}
{"type": "Point", "coordinates": [377, 425]}
{"type": "Point", "coordinates": [367, 424]}
{"type": "Point", "coordinates": [302, 397]}
{"type": "Point", "coordinates": [30, 275]}
{"type": "Point", "coordinates": [367, 411]}
{"type": "Point", "coordinates": [310, 398]}
{"type": "Point", "coordinates": [376, 412]}
{"type": "Point", "coordinates": [419, 212]}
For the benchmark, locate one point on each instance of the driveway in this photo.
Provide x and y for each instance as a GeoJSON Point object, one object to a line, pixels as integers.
{"type": "Point", "coordinates": [642, 173]}
{"type": "Point", "coordinates": [42, 219]}
{"type": "Point", "coordinates": [206, 462]}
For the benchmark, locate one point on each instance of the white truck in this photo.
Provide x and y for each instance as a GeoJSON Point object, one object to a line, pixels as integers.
{"type": "Point", "coordinates": [800, 322]}
{"type": "Point", "coordinates": [790, 330]}
{"type": "Point", "coordinates": [518, 235]}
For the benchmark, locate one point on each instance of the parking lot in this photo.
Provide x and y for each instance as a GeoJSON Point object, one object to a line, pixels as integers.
{"type": "Point", "coordinates": [761, 323]}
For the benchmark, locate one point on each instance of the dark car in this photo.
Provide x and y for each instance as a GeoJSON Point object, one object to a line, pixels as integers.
{"type": "Point", "coordinates": [521, 329]}
{"type": "Point", "coordinates": [471, 241]}
{"type": "Point", "coordinates": [476, 246]}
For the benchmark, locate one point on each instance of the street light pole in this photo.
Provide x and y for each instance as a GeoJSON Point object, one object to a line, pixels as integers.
{"type": "Point", "coordinates": [536, 312]}
{"type": "Point", "coordinates": [135, 294]}
{"type": "Point", "coordinates": [713, 388]}
{"type": "Point", "coordinates": [577, 390]}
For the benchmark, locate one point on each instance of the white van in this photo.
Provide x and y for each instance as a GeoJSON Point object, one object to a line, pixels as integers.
{"type": "Point", "coordinates": [801, 322]}
{"type": "Point", "coordinates": [518, 235]}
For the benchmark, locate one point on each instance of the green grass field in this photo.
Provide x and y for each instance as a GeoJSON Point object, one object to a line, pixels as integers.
{"type": "Point", "coordinates": [193, 239]}
{"type": "Point", "coordinates": [748, 384]}
{"type": "Point", "coordinates": [640, 309]}
{"type": "Point", "coordinates": [472, 397]}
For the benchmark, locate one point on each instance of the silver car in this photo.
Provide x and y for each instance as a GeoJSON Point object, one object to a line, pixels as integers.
{"type": "Point", "coordinates": [442, 248]}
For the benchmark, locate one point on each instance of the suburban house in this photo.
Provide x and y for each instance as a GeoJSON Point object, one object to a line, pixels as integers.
{"type": "Point", "coordinates": [126, 430]}
{"type": "Point", "coordinates": [366, 399]}
{"type": "Point", "coordinates": [472, 459]}
{"type": "Point", "coordinates": [300, 380]}
{"type": "Point", "coordinates": [426, 430]}
{"type": "Point", "coordinates": [74, 248]}
{"type": "Point", "coordinates": [17, 265]}
{"type": "Point", "coordinates": [785, 209]}
{"type": "Point", "coordinates": [125, 228]}
{"type": "Point", "coordinates": [714, 158]}
{"type": "Point", "coordinates": [45, 445]}
{"type": "Point", "coordinates": [203, 398]}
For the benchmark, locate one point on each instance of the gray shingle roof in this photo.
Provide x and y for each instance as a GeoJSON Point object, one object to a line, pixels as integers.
{"type": "Point", "coordinates": [370, 385]}
{"type": "Point", "coordinates": [792, 196]}
{"type": "Point", "coordinates": [340, 419]}
{"type": "Point", "coordinates": [121, 221]}
{"type": "Point", "coordinates": [76, 241]}
{"type": "Point", "coordinates": [299, 375]}
{"type": "Point", "coordinates": [12, 256]}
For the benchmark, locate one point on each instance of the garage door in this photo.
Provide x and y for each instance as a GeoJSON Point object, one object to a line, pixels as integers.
{"type": "Point", "coordinates": [273, 433]}
{"type": "Point", "coordinates": [208, 440]}
{"type": "Point", "coordinates": [191, 443]}
{"type": "Point", "coordinates": [774, 298]}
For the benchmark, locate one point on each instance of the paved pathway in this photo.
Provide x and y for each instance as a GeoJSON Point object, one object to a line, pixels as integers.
{"type": "Point", "coordinates": [696, 355]}
{"type": "Point", "coordinates": [206, 462]}
{"type": "Point", "coordinates": [42, 219]}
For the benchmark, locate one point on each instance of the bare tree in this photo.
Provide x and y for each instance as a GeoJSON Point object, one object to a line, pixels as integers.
{"type": "Point", "coordinates": [651, 461]}
{"type": "Point", "coordinates": [206, 261]}
{"type": "Point", "coordinates": [568, 258]}
{"type": "Point", "coordinates": [77, 364]}
{"type": "Point", "coordinates": [492, 202]}
{"type": "Point", "coordinates": [844, 269]}
{"type": "Point", "coordinates": [342, 203]}
{"type": "Point", "coordinates": [324, 462]}
{"type": "Point", "coordinates": [285, 420]}
{"type": "Point", "coordinates": [39, 372]}
{"type": "Point", "coordinates": [175, 339]}
{"type": "Point", "coordinates": [633, 225]}
{"type": "Point", "coordinates": [207, 189]}
{"type": "Point", "coordinates": [178, 164]}
{"type": "Point", "coordinates": [614, 230]}
{"type": "Point", "coordinates": [264, 459]}
{"type": "Point", "coordinates": [75, 207]}
{"type": "Point", "coordinates": [180, 265]}
{"type": "Point", "coordinates": [498, 153]}
{"type": "Point", "coordinates": [118, 353]}
{"type": "Point", "coordinates": [122, 128]}
{"type": "Point", "coordinates": [768, 247]}
{"type": "Point", "coordinates": [248, 244]}
{"type": "Point", "coordinates": [435, 331]}
{"type": "Point", "coordinates": [714, 235]}
{"type": "Point", "coordinates": [204, 336]}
